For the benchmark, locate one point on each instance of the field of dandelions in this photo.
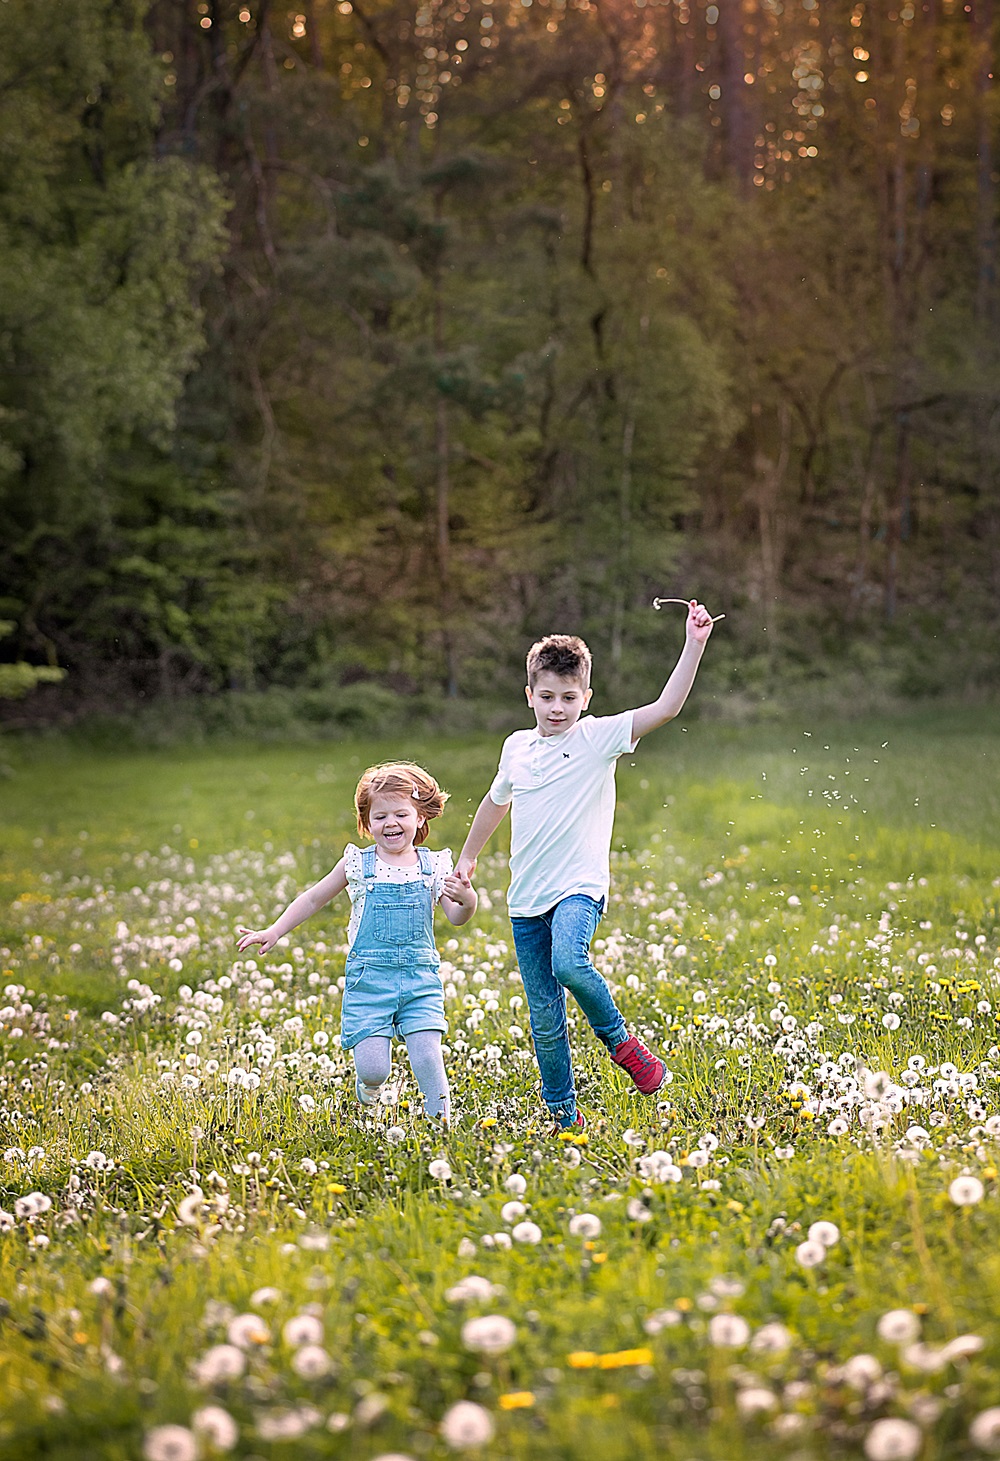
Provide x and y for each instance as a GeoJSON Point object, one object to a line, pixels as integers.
{"type": "Point", "coordinates": [793, 1251]}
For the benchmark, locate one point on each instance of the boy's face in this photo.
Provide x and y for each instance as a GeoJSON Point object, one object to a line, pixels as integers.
{"type": "Point", "coordinates": [557, 702]}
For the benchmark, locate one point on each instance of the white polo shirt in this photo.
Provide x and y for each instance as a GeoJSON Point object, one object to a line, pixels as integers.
{"type": "Point", "coordinates": [561, 792]}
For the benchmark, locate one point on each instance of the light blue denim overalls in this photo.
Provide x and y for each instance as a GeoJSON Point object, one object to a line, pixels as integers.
{"type": "Point", "coordinates": [392, 985]}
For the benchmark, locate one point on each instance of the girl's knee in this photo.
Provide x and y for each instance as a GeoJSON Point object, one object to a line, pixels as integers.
{"type": "Point", "coordinates": [373, 1067]}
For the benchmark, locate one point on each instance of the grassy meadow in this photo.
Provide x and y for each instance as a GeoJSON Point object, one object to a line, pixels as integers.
{"type": "Point", "coordinates": [792, 1251]}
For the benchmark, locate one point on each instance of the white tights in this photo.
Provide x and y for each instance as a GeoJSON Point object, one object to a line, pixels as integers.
{"type": "Point", "coordinates": [373, 1063]}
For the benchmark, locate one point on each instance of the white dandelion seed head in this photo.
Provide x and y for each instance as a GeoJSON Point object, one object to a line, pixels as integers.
{"type": "Point", "coordinates": [755, 1400]}
{"type": "Point", "coordinates": [489, 1334]}
{"type": "Point", "coordinates": [810, 1254]}
{"type": "Point", "coordinates": [440, 1170]}
{"type": "Point", "coordinates": [824, 1232]}
{"type": "Point", "coordinates": [266, 1295]}
{"type": "Point", "coordinates": [221, 1362]}
{"type": "Point", "coordinates": [962, 1347]}
{"type": "Point", "coordinates": [516, 1185]}
{"type": "Point", "coordinates": [728, 1331]}
{"type": "Point", "coordinates": [893, 1439]}
{"type": "Point", "coordinates": [511, 1211]}
{"type": "Point", "coordinates": [585, 1225]}
{"type": "Point", "coordinates": [170, 1443]}
{"type": "Point", "coordinates": [101, 1287]}
{"type": "Point", "coordinates": [984, 1432]}
{"type": "Point", "coordinates": [966, 1191]}
{"type": "Point", "coordinates": [189, 1208]}
{"type": "Point", "coordinates": [771, 1338]}
{"type": "Point", "coordinates": [527, 1233]}
{"type": "Point", "coordinates": [217, 1427]}
{"type": "Point", "coordinates": [466, 1425]}
{"type": "Point", "coordinates": [311, 1362]}
{"type": "Point", "coordinates": [471, 1289]}
{"type": "Point", "coordinates": [302, 1329]}
{"type": "Point", "coordinates": [898, 1326]}
{"type": "Point", "coordinates": [861, 1371]}
{"type": "Point", "coordinates": [395, 1135]}
{"type": "Point", "coordinates": [247, 1330]}
{"type": "Point", "coordinates": [661, 1319]}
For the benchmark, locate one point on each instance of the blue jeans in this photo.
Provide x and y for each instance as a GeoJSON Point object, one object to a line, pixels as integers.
{"type": "Point", "coordinates": [553, 952]}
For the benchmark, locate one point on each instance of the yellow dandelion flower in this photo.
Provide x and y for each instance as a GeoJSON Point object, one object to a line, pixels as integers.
{"type": "Point", "coordinates": [337, 1187]}
{"type": "Point", "coordinates": [610, 1402]}
{"type": "Point", "coordinates": [487, 1122]}
{"type": "Point", "coordinates": [600, 1258]}
{"type": "Point", "coordinates": [623, 1358]}
{"type": "Point", "coordinates": [684, 1305]}
{"type": "Point", "coordinates": [582, 1359]}
{"type": "Point", "coordinates": [516, 1400]}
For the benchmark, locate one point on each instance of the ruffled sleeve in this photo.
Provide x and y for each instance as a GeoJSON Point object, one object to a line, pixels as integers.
{"type": "Point", "coordinates": [443, 868]}
{"type": "Point", "coordinates": [352, 867]}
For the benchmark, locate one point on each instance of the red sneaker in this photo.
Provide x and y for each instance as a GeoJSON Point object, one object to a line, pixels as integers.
{"type": "Point", "coordinates": [647, 1073]}
{"type": "Point", "coordinates": [570, 1131]}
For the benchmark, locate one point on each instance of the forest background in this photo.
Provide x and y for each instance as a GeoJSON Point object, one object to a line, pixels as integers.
{"type": "Point", "coordinates": [346, 347]}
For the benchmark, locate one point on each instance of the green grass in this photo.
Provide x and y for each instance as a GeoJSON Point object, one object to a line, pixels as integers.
{"type": "Point", "coordinates": [737, 852]}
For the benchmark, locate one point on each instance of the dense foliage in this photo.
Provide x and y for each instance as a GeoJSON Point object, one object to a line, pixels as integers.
{"type": "Point", "coordinates": [370, 339]}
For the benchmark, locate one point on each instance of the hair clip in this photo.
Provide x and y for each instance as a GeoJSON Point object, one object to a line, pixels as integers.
{"type": "Point", "coordinates": [658, 603]}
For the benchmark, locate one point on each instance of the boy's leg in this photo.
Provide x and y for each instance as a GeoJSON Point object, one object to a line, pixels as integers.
{"type": "Point", "coordinates": [574, 923]}
{"type": "Point", "coordinates": [547, 1007]}
{"type": "Point", "coordinates": [424, 1050]}
{"type": "Point", "coordinates": [373, 1064]}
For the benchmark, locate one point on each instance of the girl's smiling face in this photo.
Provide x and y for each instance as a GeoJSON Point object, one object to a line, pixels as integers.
{"type": "Point", "coordinates": [393, 821]}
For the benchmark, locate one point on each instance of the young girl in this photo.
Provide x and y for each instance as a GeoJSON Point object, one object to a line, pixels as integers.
{"type": "Point", "coordinates": [392, 985]}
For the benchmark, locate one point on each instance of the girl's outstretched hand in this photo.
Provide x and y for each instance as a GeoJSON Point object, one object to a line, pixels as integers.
{"type": "Point", "coordinates": [248, 936]}
{"type": "Point", "coordinates": [459, 889]}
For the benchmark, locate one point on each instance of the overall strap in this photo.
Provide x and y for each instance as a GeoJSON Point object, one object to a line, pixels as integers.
{"type": "Point", "coordinates": [424, 859]}
{"type": "Point", "coordinates": [368, 862]}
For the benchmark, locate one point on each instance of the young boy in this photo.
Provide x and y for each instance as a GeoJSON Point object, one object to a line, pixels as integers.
{"type": "Point", "coordinates": [559, 781]}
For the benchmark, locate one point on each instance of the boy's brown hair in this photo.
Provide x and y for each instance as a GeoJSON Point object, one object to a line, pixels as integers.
{"type": "Point", "coordinates": [403, 778]}
{"type": "Point", "coordinates": [565, 655]}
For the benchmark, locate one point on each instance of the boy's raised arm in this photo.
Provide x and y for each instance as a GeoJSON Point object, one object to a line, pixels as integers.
{"type": "Point", "coordinates": [671, 698]}
{"type": "Point", "coordinates": [486, 821]}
